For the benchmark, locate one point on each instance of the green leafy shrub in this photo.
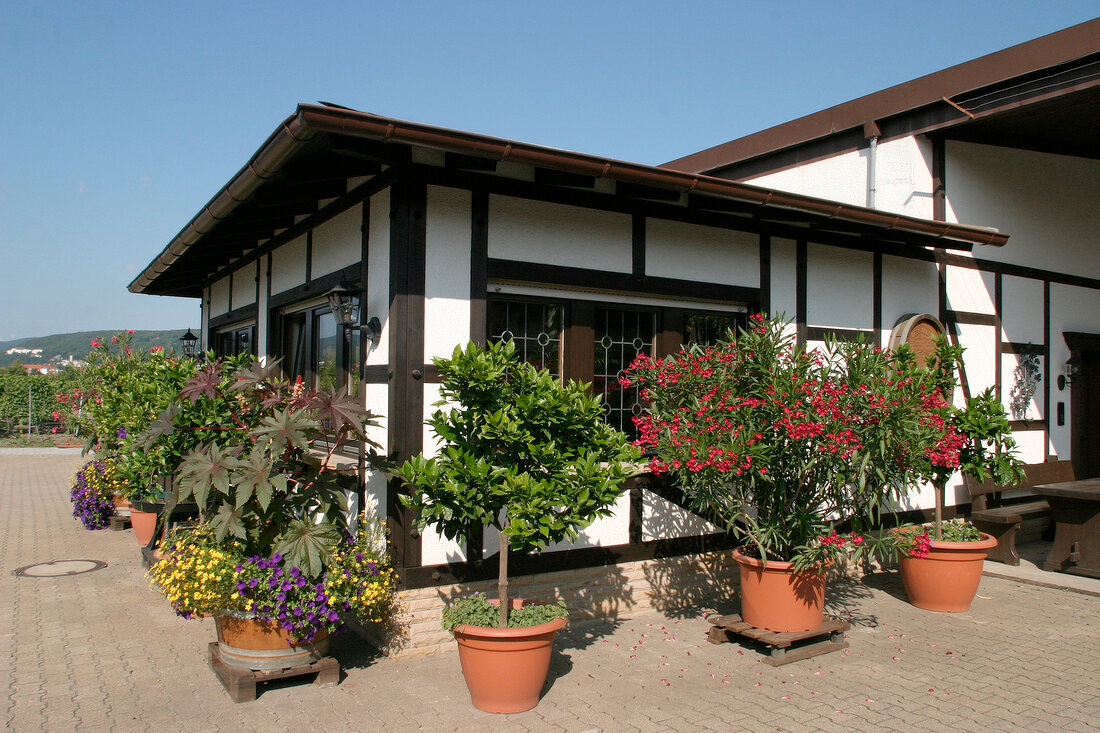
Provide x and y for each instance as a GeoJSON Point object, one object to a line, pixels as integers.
{"type": "Point", "coordinates": [476, 610]}
{"type": "Point", "coordinates": [521, 452]}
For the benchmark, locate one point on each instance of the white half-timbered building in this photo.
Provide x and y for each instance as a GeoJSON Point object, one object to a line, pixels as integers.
{"type": "Point", "coordinates": [450, 236]}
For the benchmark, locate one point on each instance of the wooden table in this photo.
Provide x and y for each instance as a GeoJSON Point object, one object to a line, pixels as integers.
{"type": "Point", "coordinates": [1075, 506]}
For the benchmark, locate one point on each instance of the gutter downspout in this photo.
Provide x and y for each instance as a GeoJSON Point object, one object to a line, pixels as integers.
{"type": "Point", "coordinates": [871, 132]}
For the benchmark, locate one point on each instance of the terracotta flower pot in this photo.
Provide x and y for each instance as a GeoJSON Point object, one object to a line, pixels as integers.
{"type": "Point", "coordinates": [251, 643]}
{"type": "Point", "coordinates": [947, 579]}
{"type": "Point", "coordinates": [776, 598]}
{"type": "Point", "coordinates": [144, 524]}
{"type": "Point", "coordinates": [505, 669]}
{"type": "Point", "coordinates": [121, 504]}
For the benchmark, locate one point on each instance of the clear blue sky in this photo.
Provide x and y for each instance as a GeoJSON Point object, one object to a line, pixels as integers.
{"type": "Point", "coordinates": [120, 120]}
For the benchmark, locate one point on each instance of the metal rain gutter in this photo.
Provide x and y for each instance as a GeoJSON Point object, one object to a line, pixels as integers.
{"type": "Point", "coordinates": [309, 120]}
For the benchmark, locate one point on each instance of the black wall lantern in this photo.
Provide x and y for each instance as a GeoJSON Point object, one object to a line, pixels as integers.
{"type": "Point", "coordinates": [1070, 370]}
{"type": "Point", "coordinates": [344, 302]}
{"type": "Point", "coordinates": [189, 342]}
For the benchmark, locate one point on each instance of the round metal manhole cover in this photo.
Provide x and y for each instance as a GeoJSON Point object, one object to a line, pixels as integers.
{"type": "Point", "coordinates": [59, 568]}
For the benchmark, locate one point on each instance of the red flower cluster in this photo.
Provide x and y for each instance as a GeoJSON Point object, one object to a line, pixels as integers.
{"type": "Point", "coordinates": [840, 540]}
{"type": "Point", "coordinates": [817, 434]}
{"type": "Point", "coordinates": [922, 545]}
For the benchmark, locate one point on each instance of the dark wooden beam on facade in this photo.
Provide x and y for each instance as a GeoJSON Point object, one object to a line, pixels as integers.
{"type": "Point", "coordinates": [469, 162]}
{"type": "Point", "coordinates": [408, 252]}
{"type": "Point", "coordinates": [649, 193]}
{"type": "Point", "coordinates": [534, 273]}
{"type": "Point", "coordinates": [764, 305]}
{"type": "Point", "coordinates": [637, 245]}
{"type": "Point", "coordinates": [817, 333]}
{"type": "Point", "coordinates": [549, 177]}
{"type": "Point", "coordinates": [356, 147]}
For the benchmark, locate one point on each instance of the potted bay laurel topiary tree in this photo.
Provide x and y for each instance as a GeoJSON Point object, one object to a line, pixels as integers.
{"type": "Point", "coordinates": [533, 459]}
{"type": "Point", "coordinates": [779, 444]}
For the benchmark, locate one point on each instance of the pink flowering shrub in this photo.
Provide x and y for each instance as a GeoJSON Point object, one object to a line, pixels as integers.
{"type": "Point", "coordinates": [778, 443]}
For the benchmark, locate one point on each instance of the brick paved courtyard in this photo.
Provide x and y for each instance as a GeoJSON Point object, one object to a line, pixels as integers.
{"type": "Point", "coordinates": [102, 651]}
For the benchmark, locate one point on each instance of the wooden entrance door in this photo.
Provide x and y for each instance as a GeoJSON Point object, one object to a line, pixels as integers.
{"type": "Point", "coordinates": [1085, 404]}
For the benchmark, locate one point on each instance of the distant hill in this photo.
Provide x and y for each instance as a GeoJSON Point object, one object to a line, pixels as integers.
{"type": "Point", "coordinates": [77, 345]}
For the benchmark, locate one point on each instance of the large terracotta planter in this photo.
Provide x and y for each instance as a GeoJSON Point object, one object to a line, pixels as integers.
{"type": "Point", "coordinates": [505, 669]}
{"type": "Point", "coordinates": [947, 579]}
{"type": "Point", "coordinates": [144, 524]}
{"type": "Point", "coordinates": [145, 515]}
{"type": "Point", "coordinates": [250, 643]}
{"type": "Point", "coordinates": [776, 598]}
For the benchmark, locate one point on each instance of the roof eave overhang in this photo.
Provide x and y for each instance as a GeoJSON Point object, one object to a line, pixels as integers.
{"type": "Point", "coordinates": [311, 120]}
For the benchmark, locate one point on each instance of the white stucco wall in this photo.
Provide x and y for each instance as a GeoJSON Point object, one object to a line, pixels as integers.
{"type": "Point", "coordinates": [447, 272]}
{"type": "Point", "coordinates": [839, 287]}
{"type": "Point", "coordinates": [219, 297]}
{"type": "Point", "coordinates": [903, 177]}
{"type": "Point", "coordinates": [661, 519]}
{"type": "Point", "coordinates": [980, 343]}
{"type": "Point", "coordinates": [244, 286]}
{"type": "Point", "coordinates": [784, 277]}
{"type": "Point", "coordinates": [1047, 203]}
{"type": "Point", "coordinates": [338, 242]}
{"type": "Point", "coordinates": [1021, 310]}
{"type": "Point", "coordinates": [378, 274]}
{"type": "Point", "coordinates": [554, 234]}
{"type": "Point", "coordinates": [263, 324]}
{"type": "Point", "coordinates": [970, 290]}
{"type": "Point", "coordinates": [288, 265]}
{"type": "Point", "coordinates": [705, 254]}
{"type": "Point", "coordinates": [908, 287]}
{"type": "Point", "coordinates": [376, 396]}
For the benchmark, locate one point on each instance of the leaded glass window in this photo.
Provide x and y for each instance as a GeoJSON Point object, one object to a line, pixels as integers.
{"type": "Point", "coordinates": [621, 335]}
{"type": "Point", "coordinates": [535, 328]}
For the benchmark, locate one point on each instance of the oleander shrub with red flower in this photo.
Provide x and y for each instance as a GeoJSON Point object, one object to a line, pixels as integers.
{"type": "Point", "coordinates": [778, 443]}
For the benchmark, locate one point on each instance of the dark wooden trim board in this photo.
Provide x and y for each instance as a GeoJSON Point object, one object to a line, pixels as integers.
{"type": "Point", "coordinates": [408, 243]}
{"type": "Point", "coordinates": [313, 288]}
{"type": "Point", "coordinates": [815, 333]}
{"type": "Point", "coordinates": [1008, 347]}
{"type": "Point", "coordinates": [576, 277]}
{"type": "Point", "coordinates": [970, 319]}
{"type": "Point", "coordinates": [243, 313]}
{"type": "Point", "coordinates": [998, 350]}
{"type": "Point", "coordinates": [765, 302]}
{"type": "Point", "coordinates": [1026, 425]}
{"type": "Point", "coordinates": [479, 265]}
{"type": "Point", "coordinates": [637, 245]}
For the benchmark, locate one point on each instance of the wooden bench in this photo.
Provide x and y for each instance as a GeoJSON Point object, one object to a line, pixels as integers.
{"type": "Point", "coordinates": [1002, 518]}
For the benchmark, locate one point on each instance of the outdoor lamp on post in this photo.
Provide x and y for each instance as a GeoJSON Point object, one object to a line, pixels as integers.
{"type": "Point", "coordinates": [189, 342]}
{"type": "Point", "coordinates": [344, 302]}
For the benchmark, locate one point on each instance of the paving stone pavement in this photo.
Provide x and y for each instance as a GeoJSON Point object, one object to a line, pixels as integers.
{"type": "Point", "coordinates": [102, 651]}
